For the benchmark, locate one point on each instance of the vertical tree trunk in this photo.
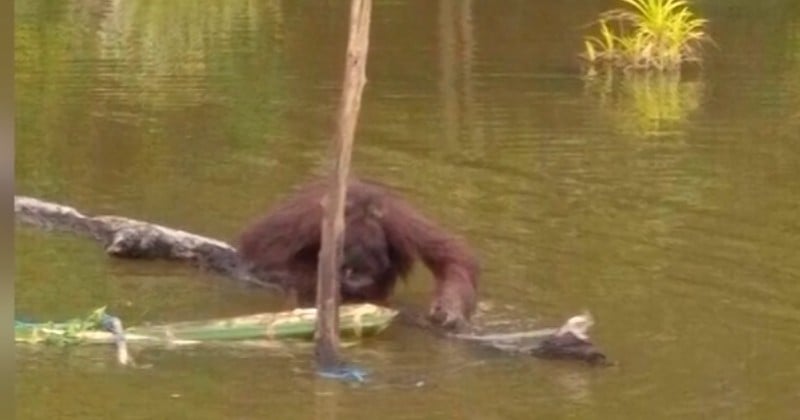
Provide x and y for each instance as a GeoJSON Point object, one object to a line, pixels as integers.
{"type": "Point", "coordinates": [332, 241]}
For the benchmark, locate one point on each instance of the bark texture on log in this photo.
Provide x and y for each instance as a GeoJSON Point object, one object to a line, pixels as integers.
{"type": "Point", "coordinates": [128, 238]}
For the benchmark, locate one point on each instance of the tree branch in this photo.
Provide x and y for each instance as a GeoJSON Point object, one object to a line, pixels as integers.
{"type": "Point", "coordinates": [128, 238]}
{"type": "Point", "coordinates": [333, 228]}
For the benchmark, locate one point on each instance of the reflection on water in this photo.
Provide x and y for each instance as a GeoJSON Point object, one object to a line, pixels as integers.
{"type": "Point", "coordinates": [645, 103]}
{"type": "Point", "coordinates": [158, 56]}
{"type": "Point", "coordinates": [666, 205]}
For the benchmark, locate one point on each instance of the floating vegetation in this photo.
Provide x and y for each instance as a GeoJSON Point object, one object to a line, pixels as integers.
{"type": "Point", "coordinates": [648, 35]}
{"type": "Point", "coordinates": [72, 331]}
{"type": "Point", "coordinates": [355, 321]}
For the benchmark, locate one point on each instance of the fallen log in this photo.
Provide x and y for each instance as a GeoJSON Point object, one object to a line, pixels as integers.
{"type": "Point", "coordinates": [570, 341]}
{"type": "Point", "coordinates": [129, 238]}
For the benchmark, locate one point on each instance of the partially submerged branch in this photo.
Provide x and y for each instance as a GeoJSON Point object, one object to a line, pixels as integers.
{"type": "Point", "coordinates": [570, 341]}
{"type": "Point", "coordinates": [128, 238]}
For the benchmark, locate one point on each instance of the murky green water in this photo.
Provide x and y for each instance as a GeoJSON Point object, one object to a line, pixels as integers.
{"type": "Point", "coordinates": [669, 208]}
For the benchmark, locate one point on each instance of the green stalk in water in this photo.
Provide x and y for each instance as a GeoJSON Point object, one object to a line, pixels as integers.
{"type": "Point", "coordinates": [650, 34]}
{"type": "Point", "coordinates": [355, 321]}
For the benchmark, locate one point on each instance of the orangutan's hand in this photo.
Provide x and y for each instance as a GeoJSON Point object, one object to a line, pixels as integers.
{"type": "Point", "coordinates": [453, 305]}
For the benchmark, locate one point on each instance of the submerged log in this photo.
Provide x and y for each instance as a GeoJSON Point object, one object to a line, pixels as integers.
{"type": "Point", "coordinates": [129, 238]}
{"type": "Point", "coordinates": [568, 342]}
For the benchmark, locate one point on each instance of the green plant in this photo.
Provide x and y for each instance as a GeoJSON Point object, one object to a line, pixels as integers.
{"type": "Point", "coordinates": [649, 34]}
{"type": "Point", "coordinates": [62, 333]}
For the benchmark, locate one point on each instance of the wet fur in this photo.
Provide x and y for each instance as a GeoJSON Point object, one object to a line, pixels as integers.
{"type": "Point", "coordinates": [384, 236]}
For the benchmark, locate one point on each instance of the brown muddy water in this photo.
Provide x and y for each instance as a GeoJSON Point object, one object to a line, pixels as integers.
{"type": "Point", "coordinates": [669, 207]}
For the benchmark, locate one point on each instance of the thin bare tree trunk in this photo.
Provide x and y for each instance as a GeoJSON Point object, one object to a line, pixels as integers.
{"type": "Point", "coordinates": [332, 241]}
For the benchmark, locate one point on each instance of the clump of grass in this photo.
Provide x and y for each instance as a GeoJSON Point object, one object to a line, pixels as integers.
{"type": "Point", "coordinates": [647, 35]}
{"type": "Point", "coordinates": [63, 333]}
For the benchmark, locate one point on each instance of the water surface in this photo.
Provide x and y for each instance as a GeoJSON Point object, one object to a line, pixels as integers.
{"type": "Point", "coordinates": [668, 206]}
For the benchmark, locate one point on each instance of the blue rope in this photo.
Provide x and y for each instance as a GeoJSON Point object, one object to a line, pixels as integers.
{"type": "Point", "coordinates": [344, 372]}
{"type": "Point", "coordinates": [113, 325]}
{"type": "Point", "coordinates": [108, 323]}
{"type": "Point", "coordinates": [18, 323]}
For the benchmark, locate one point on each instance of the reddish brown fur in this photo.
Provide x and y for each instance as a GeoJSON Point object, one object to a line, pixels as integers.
{"type": "Point", "coordinates": [383, 237]}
